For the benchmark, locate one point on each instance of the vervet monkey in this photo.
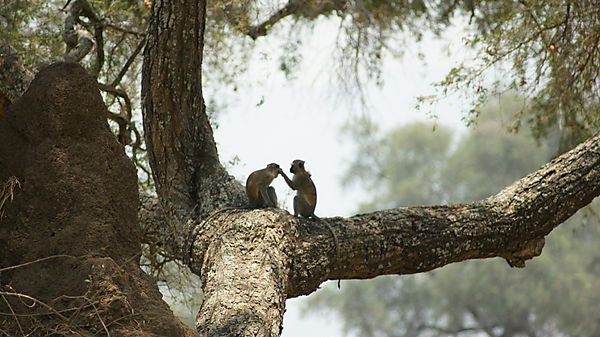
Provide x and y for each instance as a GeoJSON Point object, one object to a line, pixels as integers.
{"type": "Point", "coordinates": [259, 193]}
{"type": "Point", "coordinates": [305, 200]}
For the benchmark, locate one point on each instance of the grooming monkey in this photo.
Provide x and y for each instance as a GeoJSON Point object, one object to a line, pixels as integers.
{"type": "Point", "coordinates": [305, 200]}
{"type": "Point", "coordinates": [259, 193]}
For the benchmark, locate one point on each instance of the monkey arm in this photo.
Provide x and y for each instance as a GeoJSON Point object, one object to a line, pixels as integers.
{"type": "Point", "coordinates": [264, 193]}
{"type": "Point", "coordinates": [288, 180]}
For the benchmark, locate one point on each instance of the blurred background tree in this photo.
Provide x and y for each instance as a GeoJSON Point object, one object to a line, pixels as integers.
{"type": "Point", "coordinates": [556, 295]}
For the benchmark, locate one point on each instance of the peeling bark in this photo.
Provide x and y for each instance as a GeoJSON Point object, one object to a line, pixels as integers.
{"type": "Point", "coordinates": [244, 274]}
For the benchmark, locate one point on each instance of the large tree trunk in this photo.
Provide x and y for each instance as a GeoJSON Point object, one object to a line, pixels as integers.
{"type": "Point", "coordinates": [188, 176]}
{"type": "Point", "coordinates": [70, 244]}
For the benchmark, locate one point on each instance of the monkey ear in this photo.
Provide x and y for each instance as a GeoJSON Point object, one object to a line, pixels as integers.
{"type": "Point", "coordinates": [301, 164]}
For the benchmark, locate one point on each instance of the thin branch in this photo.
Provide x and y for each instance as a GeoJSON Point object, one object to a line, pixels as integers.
{"type": "Point", "coordinates": [130, 60]}
{"type": "Point", "coordinates": [124, 30]}
{"type": "Point", "coordinates": [13, 314]}
{"type": "Point", "coordinates": [122, 123]}
{"type": "Point", "coordinates": [35, 261]}
{"type": "Point", "coordinates": [98, 314]}
{"type": "Point", "coordinates": [35, 300]}
{"type": "Point", "coordinates": [449, 331]}
{"type": "Point", "coordinates": [291, 8]}
{"type": "Point", "coordinates": [7, 192]}
{"type": "Point", "coordinates": [99, 37]}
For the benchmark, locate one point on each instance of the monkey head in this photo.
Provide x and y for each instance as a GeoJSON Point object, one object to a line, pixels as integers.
{"type": "Point", "coordinates": [297, 166]}
{"type": "Point", "coordinates": [273, 169]}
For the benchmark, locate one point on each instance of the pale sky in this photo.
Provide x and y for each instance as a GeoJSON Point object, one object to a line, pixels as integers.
{"type": "Point", "coordinates": [301, 120]}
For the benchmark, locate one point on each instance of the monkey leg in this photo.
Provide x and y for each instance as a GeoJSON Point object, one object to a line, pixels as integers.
{"type": "Point", "coordinates": [272, 196]}
{"type": "Point", "coordinates": [302, 207]}
{"type": "Point", "coordinates": [265, 196]}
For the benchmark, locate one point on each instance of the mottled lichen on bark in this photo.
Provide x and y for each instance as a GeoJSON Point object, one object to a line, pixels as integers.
{"type": "Point", "coordinates": [245, 270]}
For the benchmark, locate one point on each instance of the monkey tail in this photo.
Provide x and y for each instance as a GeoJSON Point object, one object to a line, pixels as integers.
{"type": "Point", "coordinates": [335, 238]}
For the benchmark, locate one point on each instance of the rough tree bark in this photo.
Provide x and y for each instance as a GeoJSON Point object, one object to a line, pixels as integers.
{"type": "Point", "coordinates": [188, 176]}
{"type": "Point", "coordinates": [251, 261]}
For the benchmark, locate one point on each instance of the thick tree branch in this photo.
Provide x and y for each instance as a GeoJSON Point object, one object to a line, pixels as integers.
{"type": "Point", "coordinates": [244, 275]}
{"type": "Point", "coordinates": [79, 41]}
{"type": "Point", "coordinates": [512, 224]}
{"type": "Point", "coordinates": [127, 64]}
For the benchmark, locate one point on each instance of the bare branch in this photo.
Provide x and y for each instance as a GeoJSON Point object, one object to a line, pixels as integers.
{"type": "Point", "coordinates": [305, 7]}
{"type": "Point", "coordinates": [79, 41]}
{"type": "Point", "coordinates": [130, 60]}
{"type": "Point", "coordinates": [123, 122]}
{"type": "Point", "coordinates": [123, 30]}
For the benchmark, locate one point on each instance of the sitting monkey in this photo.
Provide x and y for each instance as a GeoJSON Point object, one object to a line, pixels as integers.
{"type": "Point", "coordinates": [259, 193]}
{"type": "Point", "coordinates": [305, 200]}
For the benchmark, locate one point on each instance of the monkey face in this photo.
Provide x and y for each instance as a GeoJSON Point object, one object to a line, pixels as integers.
{"type": "Point", "coordinates": [297, 166]}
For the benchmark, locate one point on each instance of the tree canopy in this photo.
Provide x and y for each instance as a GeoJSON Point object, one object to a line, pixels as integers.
{"type": "Point", "coordinates": [545, 50]}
